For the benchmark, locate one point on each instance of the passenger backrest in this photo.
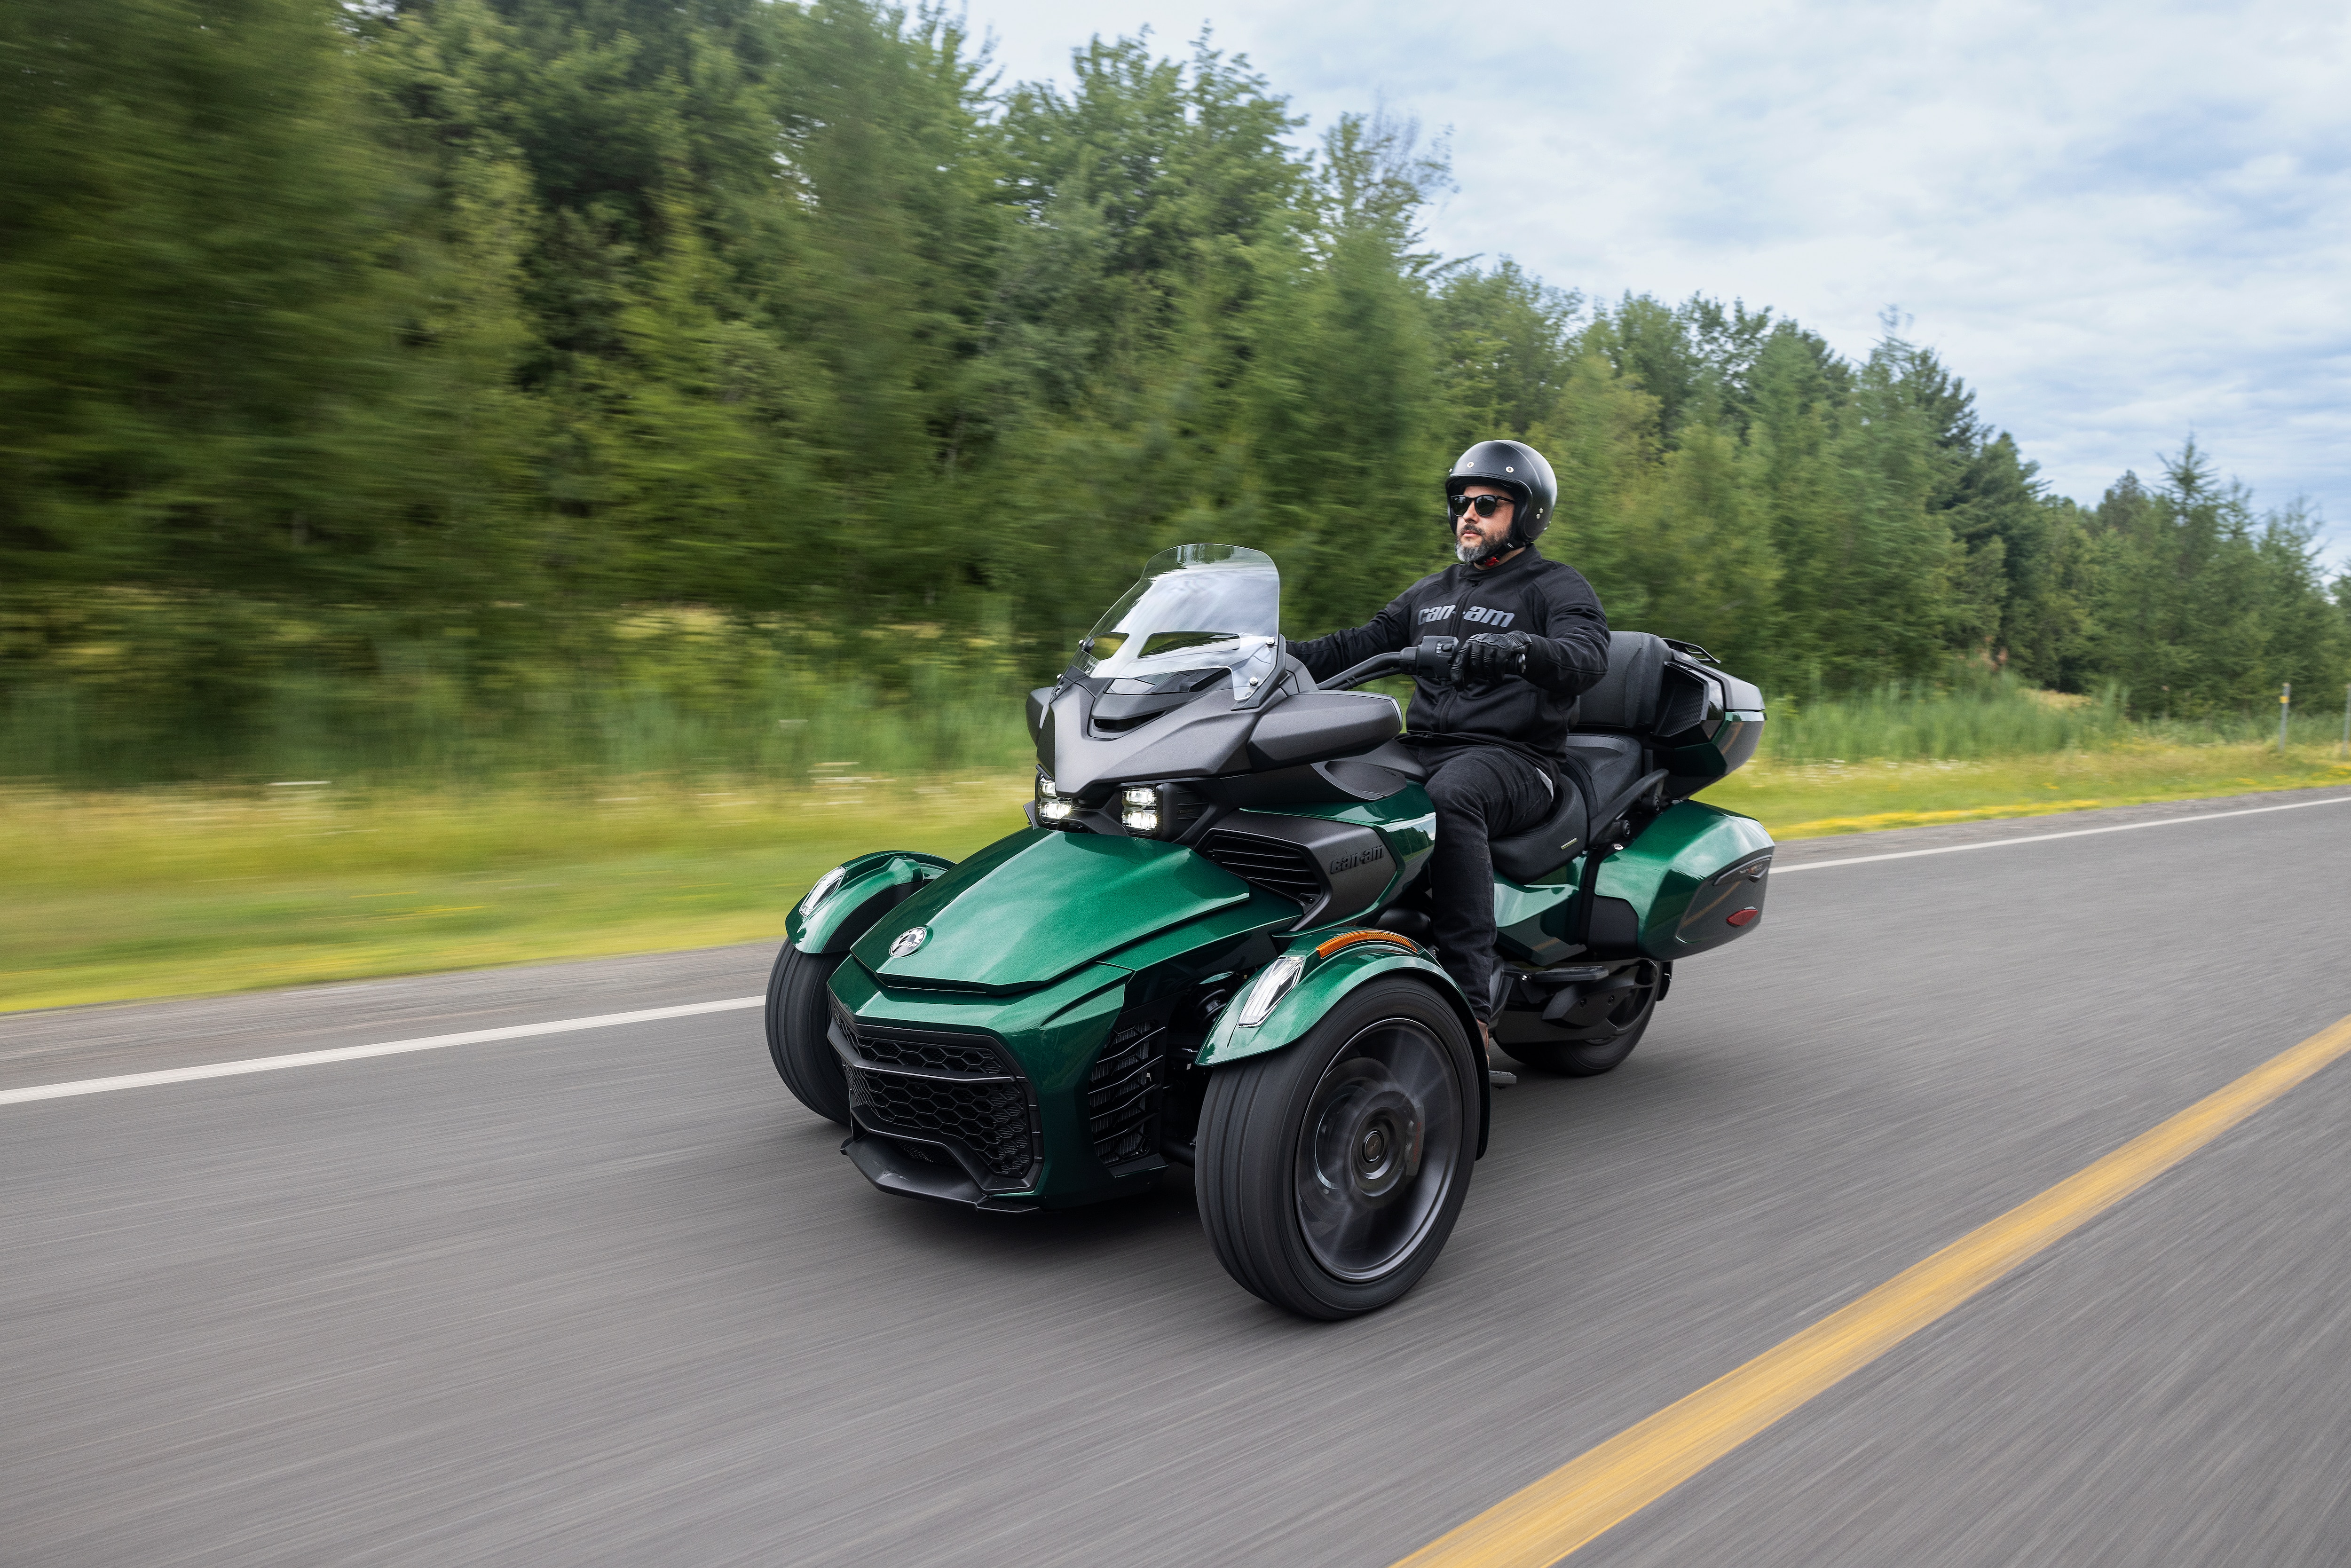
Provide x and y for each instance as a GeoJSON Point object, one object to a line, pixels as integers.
{"type": "Point", "coordinates": [1648, 689]}
{"type": "Point", "coordinates": [1626, 696]}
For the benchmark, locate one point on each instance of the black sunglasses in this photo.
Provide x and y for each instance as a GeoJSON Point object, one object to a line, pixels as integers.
{"type": "Point", "coordinates": [1487, 505]}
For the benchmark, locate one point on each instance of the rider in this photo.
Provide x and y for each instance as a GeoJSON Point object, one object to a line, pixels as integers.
{"type": "Point", "coordinates": [1531, 638]}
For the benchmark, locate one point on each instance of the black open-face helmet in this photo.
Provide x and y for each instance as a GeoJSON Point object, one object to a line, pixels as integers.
{"type": "Point", "coordinates": [1511, 465]}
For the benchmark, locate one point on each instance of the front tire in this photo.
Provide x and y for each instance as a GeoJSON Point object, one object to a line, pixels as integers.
{"type": "Point", "coordinates": [1330, 1174]}
{"type": "Point", "coordinates": [798, 1017]}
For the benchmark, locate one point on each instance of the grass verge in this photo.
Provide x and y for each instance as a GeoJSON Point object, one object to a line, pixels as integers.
{"type": "Point", "coordinates": [118, 897]}
{"type": "Point", "coordinates": [1816, 799]}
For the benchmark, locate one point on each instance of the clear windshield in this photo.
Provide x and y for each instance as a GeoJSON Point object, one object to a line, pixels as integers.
{"type": "Point", "coordinates": [1198, 608]}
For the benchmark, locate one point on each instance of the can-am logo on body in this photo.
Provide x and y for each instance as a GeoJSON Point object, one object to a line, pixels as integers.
{"type": "Point", "coordinates": [1364, 857]}
{"type": "Point", "coordinates": [909, 940]}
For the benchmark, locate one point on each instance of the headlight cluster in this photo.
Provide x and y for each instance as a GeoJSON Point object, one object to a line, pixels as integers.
{"type": "Point", "coordinates": [1145, 810]}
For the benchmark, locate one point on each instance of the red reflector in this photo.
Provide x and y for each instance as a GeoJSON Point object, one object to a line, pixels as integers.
{"type": "Point", "coordinates": [1741, 917]}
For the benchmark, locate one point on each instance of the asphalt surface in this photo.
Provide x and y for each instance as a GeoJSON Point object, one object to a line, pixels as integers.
{"type": "Point", "coordinates": [613, 1297]}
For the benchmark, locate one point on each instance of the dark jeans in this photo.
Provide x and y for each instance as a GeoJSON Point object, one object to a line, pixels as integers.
{"type": "Point", "coordinates": [1481, 793]}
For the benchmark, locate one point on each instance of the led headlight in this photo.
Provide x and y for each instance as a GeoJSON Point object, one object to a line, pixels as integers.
{"type": "Point", "coordinates": [1272, 983]}
{"type": "Point", "coordinates": [1141, 812]}
{"type": "Point", "coordinates": [1052, 805]}
{"type": "Point", "coordinates": [825, 885]}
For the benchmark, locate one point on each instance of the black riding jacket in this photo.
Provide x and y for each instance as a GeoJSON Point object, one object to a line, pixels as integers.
{"type": "Point", "coordinates": [1549, 601]}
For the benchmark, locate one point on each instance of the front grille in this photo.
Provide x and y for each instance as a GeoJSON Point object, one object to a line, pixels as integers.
{"type": "Point", "coordinates": [954, 1089]}
{"type": "Point", "coordinates": [1273, 864]}
{"type": "Point", "coordinates": [991, 1120]}
{"type": "Point", "coordinates": [976, 1059]}
{"type": "Point", "coordinates": [1121, 1095]}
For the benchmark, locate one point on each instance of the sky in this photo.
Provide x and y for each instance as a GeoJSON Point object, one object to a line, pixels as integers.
{"type": "Point", "coordinates": [2123, 224]}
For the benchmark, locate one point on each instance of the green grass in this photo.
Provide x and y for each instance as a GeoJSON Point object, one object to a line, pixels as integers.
{"type": "Point", "coordinates": [166, 893]}
{"type": "Point", "coordinates": [122, 895]}
{"type": "Point", "coordinates": [1811, 800]}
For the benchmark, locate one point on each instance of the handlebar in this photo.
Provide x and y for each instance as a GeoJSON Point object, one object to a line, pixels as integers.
{"type": "Point", "coordinates": [1431, 659]}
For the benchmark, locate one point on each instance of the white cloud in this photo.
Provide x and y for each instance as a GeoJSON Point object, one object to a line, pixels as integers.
{"type": "Point", "coordinates": [2119, 222]}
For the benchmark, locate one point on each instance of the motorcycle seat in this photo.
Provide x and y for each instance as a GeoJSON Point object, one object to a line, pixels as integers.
{"type": "Point", "coordinates": [1614, 761]}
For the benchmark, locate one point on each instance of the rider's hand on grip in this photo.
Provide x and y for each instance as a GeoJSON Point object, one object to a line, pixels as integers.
{"type": "Point", "coordinates": [1491, 657]}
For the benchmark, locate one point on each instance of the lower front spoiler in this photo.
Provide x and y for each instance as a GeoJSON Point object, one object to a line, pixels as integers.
{"type": "Point", "coordinates": [889, 1168]}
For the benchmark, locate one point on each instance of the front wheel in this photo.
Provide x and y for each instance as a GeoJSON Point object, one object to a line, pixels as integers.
{"type": "Point", "coordinates": [796, 1020]}
{"type": "Point", "coordinates": [1330, 1174]}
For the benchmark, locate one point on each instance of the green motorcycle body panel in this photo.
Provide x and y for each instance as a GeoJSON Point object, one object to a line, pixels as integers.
{"type": "Point", "coordinates": [1531, 922]}
{"type": "Point", "coordinates": [1054, 1032]}
{"type": "Point", "coordinates": [1057, 1032]}
{"type": "Point", "coordinates": [1033, 907]}
{"type": "Point", "coordinates": [869, 886]}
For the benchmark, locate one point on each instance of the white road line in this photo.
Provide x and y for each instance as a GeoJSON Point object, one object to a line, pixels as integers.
{"type": "Point", "coordinates": [1781, 871]}
{"type": "Point", "coordinates": [359, 1052]}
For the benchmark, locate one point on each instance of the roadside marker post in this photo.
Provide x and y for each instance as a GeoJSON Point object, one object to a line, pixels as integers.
{"type": "Point", "coordinates": [2285, 708]}
{"type": "Point", "coordinates": [2345, 749]}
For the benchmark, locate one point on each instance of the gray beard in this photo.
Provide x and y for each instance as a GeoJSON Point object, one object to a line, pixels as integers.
{"type": "Point", "coordinates": [1471, 555]}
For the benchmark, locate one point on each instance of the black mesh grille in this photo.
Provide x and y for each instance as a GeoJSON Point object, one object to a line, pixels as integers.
{"type": "Point", "coordinates": [991, 1120]}
{"type": "Point", "coordinates": [1121, 1098]}
{"type": "Point", "coordinates": [976, 1059]}
{"type": "Point", "coordinates": [1270, 863]}
{"type": "Point", "coordinates": [923, 1084]}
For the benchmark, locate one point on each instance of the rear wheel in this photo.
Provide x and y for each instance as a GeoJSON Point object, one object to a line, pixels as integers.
{"type": "Point", "coordinates": [1329, 1172]}
{"type": "Point", "coordinates": [1590, 1058]}
{"type": "Point", "coordinates": [798, 1016]}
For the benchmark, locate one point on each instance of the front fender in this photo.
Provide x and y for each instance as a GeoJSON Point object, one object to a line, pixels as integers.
{"type": "Point", "coordinates": [871, 886]}
{"type": "Point", "coordinates": [1328, 977]}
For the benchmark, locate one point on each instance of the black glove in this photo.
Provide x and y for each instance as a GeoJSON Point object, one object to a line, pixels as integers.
{"type": "Point", "coordinates": [1491, 657]}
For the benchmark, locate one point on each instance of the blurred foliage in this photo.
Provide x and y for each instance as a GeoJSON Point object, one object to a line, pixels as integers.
{"type": "Point", "coordinates": [462, 385]}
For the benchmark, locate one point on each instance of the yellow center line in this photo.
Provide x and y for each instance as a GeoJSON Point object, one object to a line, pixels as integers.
{"type": "Point", "coordinates": [1536, 1527]}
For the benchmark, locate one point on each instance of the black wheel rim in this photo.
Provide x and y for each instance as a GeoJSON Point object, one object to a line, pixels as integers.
{"type": "Point", "coordinates": [1377, 1149]}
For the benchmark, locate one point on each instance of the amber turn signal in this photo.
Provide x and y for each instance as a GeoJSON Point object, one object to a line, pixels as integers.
{"type": "Point", "coordinates": [1348, 939]}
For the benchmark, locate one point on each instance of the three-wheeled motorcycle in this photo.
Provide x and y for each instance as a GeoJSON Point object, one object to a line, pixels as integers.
{"type": "Point", "coordinates": [1210, 945]}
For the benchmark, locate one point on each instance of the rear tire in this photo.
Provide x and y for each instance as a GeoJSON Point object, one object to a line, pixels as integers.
{"type": "Point", "coordinates": [1330, 1174]}
{"type": "Point", "coordinates": [798, 1017]}
{"type": "Point", "coordinates": [1590, 1058]}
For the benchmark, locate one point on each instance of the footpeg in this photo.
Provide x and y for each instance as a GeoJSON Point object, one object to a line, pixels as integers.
{"type": "Point", "coordinates": [1502, 1080]}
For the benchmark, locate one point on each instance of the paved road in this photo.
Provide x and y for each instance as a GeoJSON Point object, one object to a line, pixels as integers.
{"type": "Point", "coordinates": [612, 1297]}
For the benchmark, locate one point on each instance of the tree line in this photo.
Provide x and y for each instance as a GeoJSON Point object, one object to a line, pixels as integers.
{"type": "Point", "coordinates": [357, 338]}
